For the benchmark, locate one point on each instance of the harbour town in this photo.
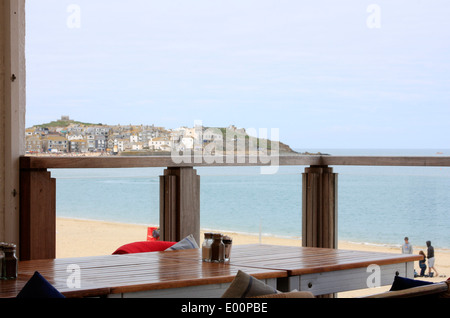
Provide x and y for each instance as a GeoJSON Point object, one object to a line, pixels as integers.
{"type": "Point", "coordinates": [69, 137]}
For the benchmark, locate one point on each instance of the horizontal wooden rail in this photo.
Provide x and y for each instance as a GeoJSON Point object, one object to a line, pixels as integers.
{"type": "Point", "coordinates": [163, 161]}
{"type": "Point", "coordinates": [405, 161]}
{"type": "Point", "coordinates": [49, 162]}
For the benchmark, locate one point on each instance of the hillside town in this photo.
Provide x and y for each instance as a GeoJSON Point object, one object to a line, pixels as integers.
{"type": "Point", "coordinates": [67, 136]}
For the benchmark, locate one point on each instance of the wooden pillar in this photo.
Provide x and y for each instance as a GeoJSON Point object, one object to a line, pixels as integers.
{"type": "Point", "coordinates": [179, 204]}
{"type": "Point", "coordinates": [12, 113]}
{"type": "Point", "coordinates": [319, 224]}
{"type": "Point", "coordinates": [37, 215]}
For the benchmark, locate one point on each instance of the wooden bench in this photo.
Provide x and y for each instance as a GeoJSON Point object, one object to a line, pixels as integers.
{"type": "Point", "coordinates": [438, 290]}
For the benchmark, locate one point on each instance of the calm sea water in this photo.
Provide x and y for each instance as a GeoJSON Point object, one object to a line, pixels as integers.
{"type": "Point", "coordinates": [378, 205]}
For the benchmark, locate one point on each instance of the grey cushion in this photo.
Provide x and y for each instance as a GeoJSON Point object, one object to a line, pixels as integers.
{"type": "Point", "coordinates": [186, 243]}
{"type": "Point", "coordinates": [244, 286]}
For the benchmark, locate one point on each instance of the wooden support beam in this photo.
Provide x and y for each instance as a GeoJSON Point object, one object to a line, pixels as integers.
{"type": "Point", "coordinates": [319, 215]}
{"type": "Point", "coordinates": [51, 162]}
{"type": "Point", "coordinates": [12, 113]}
{"type": "Point", "coordinates": [37, 215]}
{"type": "Point", "coordinates": [179, 204]}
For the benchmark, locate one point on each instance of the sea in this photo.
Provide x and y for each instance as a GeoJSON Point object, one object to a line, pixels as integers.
{"type": "Point", "coordinates": [376, 205]}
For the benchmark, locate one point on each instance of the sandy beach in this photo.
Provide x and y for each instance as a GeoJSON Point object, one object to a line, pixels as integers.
{"type": "Point", "coordinates": [78, 238]}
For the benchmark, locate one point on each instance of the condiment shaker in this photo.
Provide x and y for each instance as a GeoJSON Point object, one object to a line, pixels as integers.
{"type": "Point", "coordinates": [217, 249]}
{"type": "Point", "coordinates": [206, 247]}
{"type": "Point", "coordinates": [10, 263]}
{"type": "Point", "coordinates": [227, 241]}
{"type": "Point", "coordinates": [2, 259]}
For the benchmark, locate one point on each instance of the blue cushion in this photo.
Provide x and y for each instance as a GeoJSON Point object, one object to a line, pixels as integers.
{"type": "Point", "coordinates": [401, 283]}
{"type": "Point", "coordinates": [39, 287]}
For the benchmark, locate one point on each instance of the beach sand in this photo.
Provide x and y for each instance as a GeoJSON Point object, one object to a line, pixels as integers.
{"type": "Point", "coordinates": [78, 238]}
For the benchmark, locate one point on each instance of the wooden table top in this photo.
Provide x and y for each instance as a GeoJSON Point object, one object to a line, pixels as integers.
{"type": "Point", "coordinates": [110, 274]}
{"type": "Point", "coordinates": [308, 260]}
{"type": "Point", "coordinates": [298, 260]}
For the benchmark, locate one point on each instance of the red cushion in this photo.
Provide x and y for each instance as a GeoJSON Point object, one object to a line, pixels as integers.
{"type": "Point", "coordinates": [145, 246]}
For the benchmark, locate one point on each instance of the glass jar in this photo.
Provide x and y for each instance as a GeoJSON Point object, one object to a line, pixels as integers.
{"type": "Point", "coordinates": [2, 259]}
{"type": "Point", "coordinates": [227, 241]}
{"type": "Point", "coordinates": [10, 262]}
{"type": "Point", "coordinates": [206, 247]}
{"type": "Point", "coordinates": [217, 249]}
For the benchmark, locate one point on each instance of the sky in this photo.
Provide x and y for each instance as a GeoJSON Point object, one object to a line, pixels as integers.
{"type": "Point", "coordinates": [324, 73]}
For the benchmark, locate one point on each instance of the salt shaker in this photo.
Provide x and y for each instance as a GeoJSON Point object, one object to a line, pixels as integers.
{"type": "Point", "coordinates": [206, 247]}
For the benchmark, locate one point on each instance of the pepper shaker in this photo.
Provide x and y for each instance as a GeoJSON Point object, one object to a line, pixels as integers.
{"type": "Point", "coordinates": [217, 249]}
{"type": "Point", "coordinates": [227, 241]}
{"type": "Point", "coordinates": [2, 259]}
{"type": "Point", "coordinates": [10, 262]}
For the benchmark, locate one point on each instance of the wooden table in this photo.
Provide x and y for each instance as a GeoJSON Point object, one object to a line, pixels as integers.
{"type": "Point", "coordinates": [320, 270]}
{"type": "Point", "coordinates": [183, 274]}
{"type": "Point", "coordinates": [325, 271]}
{"type": "Point", "coordinates": [157, 274]}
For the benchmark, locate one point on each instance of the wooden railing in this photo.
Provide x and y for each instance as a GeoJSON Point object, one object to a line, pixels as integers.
{"type": "Point", "coordinates": [283, 160]}
{"type": "Point", "coordinates": [180, 192]}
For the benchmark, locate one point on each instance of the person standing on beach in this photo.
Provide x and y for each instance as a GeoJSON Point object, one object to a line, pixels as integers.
{"type": "Point", "coordinates": [422, 264]}
{"type": "Point", "coordinates": [430, 256]}
{"type": "Point", "coordinates": [407, 247]}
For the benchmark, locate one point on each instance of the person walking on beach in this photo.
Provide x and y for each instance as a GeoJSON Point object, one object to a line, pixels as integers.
{"type": "Point", "coordinates": [430, 256]}
{"type": "Point", "coordinates": [407, 247]}
{"type": "Point", "coordinates": [422, 264]}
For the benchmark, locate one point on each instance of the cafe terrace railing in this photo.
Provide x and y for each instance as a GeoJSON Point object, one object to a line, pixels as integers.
{"type": "Point", "coordinates": [180, 192]}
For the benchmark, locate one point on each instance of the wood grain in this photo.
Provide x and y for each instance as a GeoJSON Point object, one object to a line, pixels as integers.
{"type": "Point", "coordinates": [113, 274]}
{"type": "Point", "coordinates": [37, 215]}
{"type": "Point", "coordinates": [28, 162]}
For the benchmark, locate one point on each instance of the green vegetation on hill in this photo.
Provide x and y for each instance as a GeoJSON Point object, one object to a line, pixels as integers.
{"type": "Point", "coordinates": [255, 141]}
{"type": "Point", "coordinates": [65, 123]}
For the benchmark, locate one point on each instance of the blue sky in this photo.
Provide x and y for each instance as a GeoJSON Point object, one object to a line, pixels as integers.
{"type": "Point", "coordinates": [316, 70]}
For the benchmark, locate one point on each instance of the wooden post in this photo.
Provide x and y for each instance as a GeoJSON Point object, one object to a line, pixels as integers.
{"type": "Point", "coordinates": [179, 204]}
{"type": "Point", "coordinates": [319, 224]}
{"type": "Point", "coordinates": [12, 113]}
{"type": "Point", "coordinates": [37, 215]}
